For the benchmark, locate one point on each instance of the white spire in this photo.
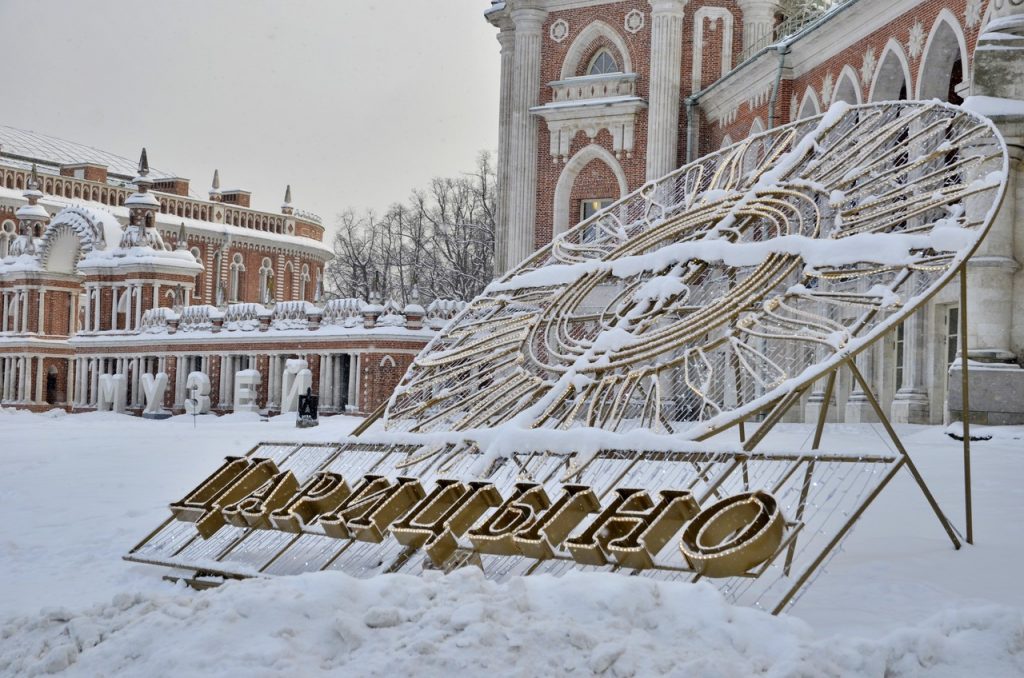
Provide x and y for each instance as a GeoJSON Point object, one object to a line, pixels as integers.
{"type": "Point", "coordinates": [33, 211]}
{"type": "Point", "coordinates": [215, 186]}
{"type": "Point", "coordinates": [286, 207]}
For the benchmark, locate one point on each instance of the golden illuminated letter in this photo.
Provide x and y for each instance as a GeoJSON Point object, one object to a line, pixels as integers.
{"type": "Point", "coordinates": [550, 529]}
{"type": "Point", "coordinates": [254, 509]}
{"type": "Point", "coordinates": [632, 529]}
{"type": "Point", "coordinates": [237, 478]}
{"type": "Point", "coordinates": [375, 504]}
{"type": "Point", "coordinates": [446, 513]}
{"type": "Point", "coordinates": [733, 535]}
{"type": "Point", "coordinates": [496, 534]}
{"type": "Point", "coordinates": [322, 493]}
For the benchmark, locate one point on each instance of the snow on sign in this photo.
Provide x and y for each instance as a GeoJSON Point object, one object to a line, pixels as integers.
{"type": "Point", "coordinates": [604, 405]}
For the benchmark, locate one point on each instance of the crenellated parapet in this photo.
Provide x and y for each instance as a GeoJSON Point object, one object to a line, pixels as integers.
{"type": "Point", "coordinates": [337, 315]}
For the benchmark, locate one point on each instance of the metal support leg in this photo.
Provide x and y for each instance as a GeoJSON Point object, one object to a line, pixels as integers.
{"type": "Point", "coordinates": [966, 414]}
{"type": "Point", "coordinates": [903, 451]}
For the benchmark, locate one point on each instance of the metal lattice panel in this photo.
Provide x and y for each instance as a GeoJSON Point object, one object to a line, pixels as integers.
{"type": "Point", "coordinates": [723, 286]}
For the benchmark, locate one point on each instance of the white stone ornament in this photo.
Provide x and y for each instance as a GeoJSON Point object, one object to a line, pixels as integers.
{"type": "Point", "coordinates": [915, 43]}
{"type": "Point", "coordinates": [867, 68]}
{"type": "Point", "coordinates": [635, 21]}
{"type": "Point", "coordinates": [827, 86]}
{"type": "Point", "coordinates": [246, 395]}
{"type": "Point", "coordinates": [559, 30]}
{"type": "Point", "coordinates": [294, 382]}
{"type": "Point", "coordinates": [154, 387]}
{"type": "Point", "coordinates": [972, 15]}
{"type": "Point", "coordinates": [198, 388]}
{"type": "Point", "coordinates": [113, 390]}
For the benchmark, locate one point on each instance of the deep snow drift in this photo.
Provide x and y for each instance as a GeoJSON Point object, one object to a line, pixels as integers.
{"type": "Point", "coordinates": [77, 491]}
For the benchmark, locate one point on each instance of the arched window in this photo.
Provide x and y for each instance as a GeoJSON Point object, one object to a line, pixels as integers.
{"type": "Point", "coordinates": [197, 294]}
{"type": "Point", "coordinates": [7, 234]}
{"type": "Point", "coordinates": [237, 276]}
{"type": "Point", "coordinates": [305, 282]}
{"type": "Point", "coordinates": [288, 289]}
{"type": "Point", "coordinates": [847, 89]}
{"type": "Point", "coordinates": [266, 281]}
{"type": "Point", "coordinates": [603, 63]}
{"type": "Point", "coordinates": [892, 76]}
{"type": "Point", "coordinates": [603, 179]}
{"type": "Point", "coordinates": [942, 66]}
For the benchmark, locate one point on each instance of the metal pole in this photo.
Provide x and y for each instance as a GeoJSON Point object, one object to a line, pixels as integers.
{"type": "Point", "coordinates": [965, 389]}
{"type": "Point", "coordinates": [830, 386]}
{"type": "Point", "coordinates": [903, 451]}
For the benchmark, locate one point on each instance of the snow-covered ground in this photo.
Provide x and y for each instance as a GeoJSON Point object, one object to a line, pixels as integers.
{"type": "Point", "coordinates": [77, 491]}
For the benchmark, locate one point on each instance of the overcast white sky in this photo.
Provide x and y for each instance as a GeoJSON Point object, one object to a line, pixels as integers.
{"type": "Point", "coordinates": [353, 102]}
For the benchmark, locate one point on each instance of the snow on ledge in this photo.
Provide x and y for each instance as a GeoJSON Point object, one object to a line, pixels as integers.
{"type": "Point", "coordinates": [991, 107]}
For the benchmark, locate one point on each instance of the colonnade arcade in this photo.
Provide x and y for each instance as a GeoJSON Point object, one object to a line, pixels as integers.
{"type": "Point", "coordinates": [335, 378]}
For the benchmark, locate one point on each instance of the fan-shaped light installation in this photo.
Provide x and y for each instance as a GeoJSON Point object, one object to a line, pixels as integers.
{"type": "Point", "coordinates": [719, 289]}
{"type": "Point", "coordinates": [555, 423]}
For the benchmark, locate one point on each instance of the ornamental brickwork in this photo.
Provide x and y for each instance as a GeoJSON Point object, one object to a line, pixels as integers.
{"type": "Point", "coordinates": [109, 280]}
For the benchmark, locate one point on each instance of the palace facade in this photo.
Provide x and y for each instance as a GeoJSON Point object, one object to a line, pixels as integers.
{"type": "Point", "coordinates": [599, 97]}
{"type": "Point", "coordinates": [113, 274]}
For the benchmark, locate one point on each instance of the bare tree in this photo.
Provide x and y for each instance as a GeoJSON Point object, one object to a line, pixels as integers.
{"type": "Point", "coordinates": [440, 241]}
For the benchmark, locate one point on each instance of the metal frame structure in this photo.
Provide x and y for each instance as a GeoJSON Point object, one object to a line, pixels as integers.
{"type": "Point", "coordinates": [713, 298]}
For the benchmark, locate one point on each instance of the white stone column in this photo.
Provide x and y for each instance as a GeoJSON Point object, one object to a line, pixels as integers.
{"type": "Point", "coordinates": [114, 299]}
{"type": "Point", "coordinates": [338, 383]}
{"type": "Point", "coordinates": [23, 382]}
{"type": "Point", "coordinates": [15, 311]}
{"type": "Point", "coordinates": [128, 293]}
{"type": "Point", "coordinates": [180, 375]}
{"type": "Point", "coordinates": [5, 363]}
{"type": "Point", "coordinates": [76, 398]}
{"type": "Point", "coordinates": [664, 97]}
{"type": "Point", "coordinates": [40, 397]}
{"type": "Point", "coordinates": [521, 206]}
{"type": "Point", "coordinates": [506, 38]}
{"type": "Point", "coordinates": [354, 380]}
{"type": "Point", "coordinates": [94, 364]}
{"type": "Point", "coordinates": [24, 311]}
{"type": "Point", "coordinates": [858, 407]}
{"type": "Point", "coordinates": [70, 382]}
{"type": "Point", "coordinates": [41, 314]}
{"type": "Point", "coordinates": [272, 378]}
{"type": "Point", "coordinates": [138, 306]}
{"type": "Point", "coordinates": [137, 397]}
{"type": "Point", "coordinates": [96, 310]}
{"type": "Point", "coordinates": [88, 309]}
{"type": "Point", "coordinates": [758, 22]}
{"type": "Point", "coordinates": [910, 403]}
{"type": "Point", "coordinates": [3, 321]}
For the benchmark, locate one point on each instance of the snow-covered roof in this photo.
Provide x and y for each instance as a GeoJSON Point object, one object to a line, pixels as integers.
{"type": "Point", "coordinates": [31, 145]}
{"type": "Point", "coordinates": [113, 214]}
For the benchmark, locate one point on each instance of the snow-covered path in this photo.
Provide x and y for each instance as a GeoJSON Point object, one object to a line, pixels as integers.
{"type": "Point", "coordinates": [77, 491]}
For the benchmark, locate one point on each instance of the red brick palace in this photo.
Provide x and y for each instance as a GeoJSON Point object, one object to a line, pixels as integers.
{"type": "Point", "coordinates": [113, 274]}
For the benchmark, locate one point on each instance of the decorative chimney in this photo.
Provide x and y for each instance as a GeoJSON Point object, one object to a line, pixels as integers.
{"type": "Point", "coordinates": [413, 311]}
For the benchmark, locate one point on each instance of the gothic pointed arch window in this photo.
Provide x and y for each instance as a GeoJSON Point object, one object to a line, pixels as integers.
{"type": "Point", "coordinates": [237, 276]}
{"type": "Point", "coordinates": [304, 285]}
{"type": "Point", "coordinates": [603, 63]}
{"type": "Point", "coordinates": [266, 281]}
